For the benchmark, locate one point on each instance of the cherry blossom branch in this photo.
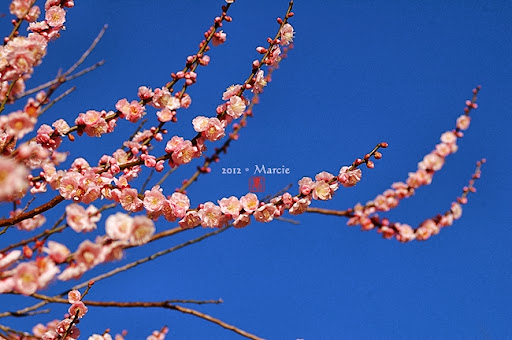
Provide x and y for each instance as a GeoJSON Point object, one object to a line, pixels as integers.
{"type": "Point", "coordinates": [66, 76]}
{"type": "Point", "coordinates": [18, 23]}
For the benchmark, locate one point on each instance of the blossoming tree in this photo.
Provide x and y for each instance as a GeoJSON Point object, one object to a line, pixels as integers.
{"type": "Point", "coordinates": [120, 196]}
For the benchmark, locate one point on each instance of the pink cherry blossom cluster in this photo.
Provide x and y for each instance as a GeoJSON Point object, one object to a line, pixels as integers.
{"type": "Point", "coordinates": [238, 211]}
{"type": "Point", "coordinates": [366, 215]}
{"type": "Point", "coordinates": [20, 55]}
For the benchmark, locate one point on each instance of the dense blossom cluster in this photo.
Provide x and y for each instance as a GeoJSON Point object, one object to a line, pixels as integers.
{"type": "Point", "coordinates": [366, 215]}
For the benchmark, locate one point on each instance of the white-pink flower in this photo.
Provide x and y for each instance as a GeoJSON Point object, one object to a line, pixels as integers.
{"type": "Point", "coordinates": [235, 107]}
{"type": "Point", "coordinates": [55, 16]}
{"type": "Point", "coordinates": [119, 226]}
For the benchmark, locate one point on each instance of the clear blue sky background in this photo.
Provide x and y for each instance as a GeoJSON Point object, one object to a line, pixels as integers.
{"type": "Point", "coordinates": [361, 72]}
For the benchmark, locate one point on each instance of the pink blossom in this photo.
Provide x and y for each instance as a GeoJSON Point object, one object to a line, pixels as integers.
{"type": "Point", "coordinates": [55, 16]}
{"type": "Point", "coordinates": [162, 98]}
{"type": "Point", "coordinates": [349, 178]}
{"type": "Point", "coordinates": [143, 229]}
{"type": "Point", "coordinates": [80, 219]}
{"type": "Point", "coordinates": [287, 34]}
{"type": "Point", "coordinates": [88, 254]}
{"type": "Point", "coordinates": [211, 216]}
{"type": "Point", "coordinates": [30, 223]}
{"type": "Point", "coordinates": [17, 123]}
{"type": "Point", "coordinates": [119, 226]}
{"type": "Point", "coordinates": [186, 100]}
{"type": "Point", "coordinates": [427, 229]}
{"type": "Point", "coordinates": [456, 210]}
{"type": "Point", "coordinates": [78, 308]}
{"type": "Point", "coordinates": [184, 153]}
{"type": "Point", "coordinates": [165, 115]}
{"type": "Point", "coordinates": [259, 82]}
{"type": "Point", "coordinates": [265, 213]}
{"type": "Point", "coordinates": [230, 206]}
{"type": "Point", "coordinates": [431, 161]}
{"type": "Point", "coordinates": [236, 107]}
{"type": "Point", "coordinates": [219, 38]}
{"type": "Point", "coordinates": [322, 191]}
{"type": "Point", "coordinates": [74, 296]}
{"type": "Point", "coordinates": [130, 200]}
{"type": "Point", "coordinates": [300, 206]}
{"type": "Point", "coordinates": [306, 185]}
{"type": "Point", "coordinates": [463, 122]}
{"type": "Point", "coordinates": [181, 203]}
{"type": "Point", "coordinates": [10, 258]}
{"type": "Point", "coordinates": [214, 130]}
{"type": "Point", "coordinates": [154, 201]}
{"type": "Point", "coordinates": [47, 271]}
{"type": "Point", "coordinates": [130, 111]}
{"type": "Point", "coordinates": [190, 220]}
{"type": "Point", "coordinates": [242, 221]}
{"type": "Point", "coordinates": [50, 335]}
{"type": "Point", "coordinates": [19, 7]}
{"type": "Point", "coordinates": [448, 137]}
{"type": "Point", "coordinates": [13, 179]}
{"type": "Point", "coordinates": [200, 123]}
{"type": "Point", "coordinates": [57, 251]}
{"type": "Point", "coordinates": [419, 178]}
{"type": "Point", "coordinates": [74, 271]}
{"type": "Point", "coordinates": [405, 233]}
{"type": "Point", "coordinates": [231, 91]}
{"type": "Point", "coordinates": [25, 278]}
{"type": "Point", "coordinates": [249, 202]}
{"type": "Point", "coordinates": [69, 186]}
{"type": "Point", "coordinates": [144, 93]}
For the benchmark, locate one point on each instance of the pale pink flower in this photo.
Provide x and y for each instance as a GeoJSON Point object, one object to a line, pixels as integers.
{"type": "Point", "coordinates": [144, 93]}
{"type": "Point", "coordinates": [181, 203]}
{"type": "Point", "coordinates": [322, 191]}
{"type": "Point", "coordinates": [31, 223]}
{"type": "Point", "coordinates": [236, 107]}
{"type": "Point", "coordinates": [69, 186]}
{"type": "Point", "coordinates": [184, 153]}
{"type": "Point", "coordinates": [265, 213]}
{"type": "Point", "coordinates": [259, 82]}
{"type": "Point", "coordinates": [162, 98]}
{"type": "Point", "coordinates": [463, 122]}
{"type": "Point", "coordinates": [154, 201]}
{"type": "Point", "coordinates": [230, 206]}
{"type": "Point", "coordinates": [17, 123]}
{"type": "Point", "coordinates": [231, 91]}
{"type": "Point", "coordinates": [73, 271]}
{"type": "Point", "coordinates": [143, 229]}
{"type": "Point", "coordinates": [444, 149]}
{"type": "Point", "coordinates": [249, 202]}
{"type": "Point", "coordinates": [219, 38]}
{"type": "Point", "coordinates": [77, 308]}
{"type": "Point", "coordinates": [306, 185]}
{"type": "Point", "coordinates": [449, 137]}
{"type": "Point", "coordinates": [300, 206]}
{"type": "Point", "coordinates": [130, 200]}
{"type": "Point", "coordinates": [50, 335]}
{"type": "Point", "coordinates": [131, 111]}
{"type": "Point", "coordinates": [446, 220]}
{"type": "Point", "coordinates": [215, 130]}
{"type": "Point", "coordinates": [211, 215]}
{"type": "Point", "coordinates": [74, 296]}
{"type": "Point", "coordinates": [10, 258]}
{"type": "Point", "coordinates": [456, 210]}
{"type": "Point", "coordinates": [405, 232]}
{"type": "Point", "coordinates": [426, 229]}
{"type": "Point", "coordinates": [57, 251]}
{"type": "Point", "coordinates": [6, 285]}
{"type": "Point", "coordinates": [88, 254]}
{"type": "Point", "coordinates": [39, 329]}
{"type": "Point", "coordinates": [119, 226]}
{"type": "Point", "coordinates": [431, 161]}
{"type": "Point", "coordinates": [186, 100]}
{"type": "Point", "coordinates": [47, 271]}
{"type": "Point", "coordinates": [67, 325]}
{"type": "Point", "coordinates": [287, 34]}
{"type": "Point", "coordinates": [190, 220]}
{"type": "Point", "coordinates": [25, 278]}
{"type": "Point", "coordinates": [349, 178]}
{"type": "Point", "coordinates": [13, 179]}
{"type": "Point", "coordinates": [242, 221]}
{"type": "Point", "coordinates": [19, 7]}
{"type": "Point", "coordinates": [55, 16]}
{"type": "Point", "coordinates": [80, 219]}
{"type": "Point", "coordinates": [165, 115]}
{"type": "Point", "coordinates": [200, 123]}
{"type": "Point", "coordinates": [419, 178]}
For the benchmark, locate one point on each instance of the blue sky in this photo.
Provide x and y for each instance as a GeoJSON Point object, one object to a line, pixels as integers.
{"type": "Point", "coordinates": [361, 72]}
